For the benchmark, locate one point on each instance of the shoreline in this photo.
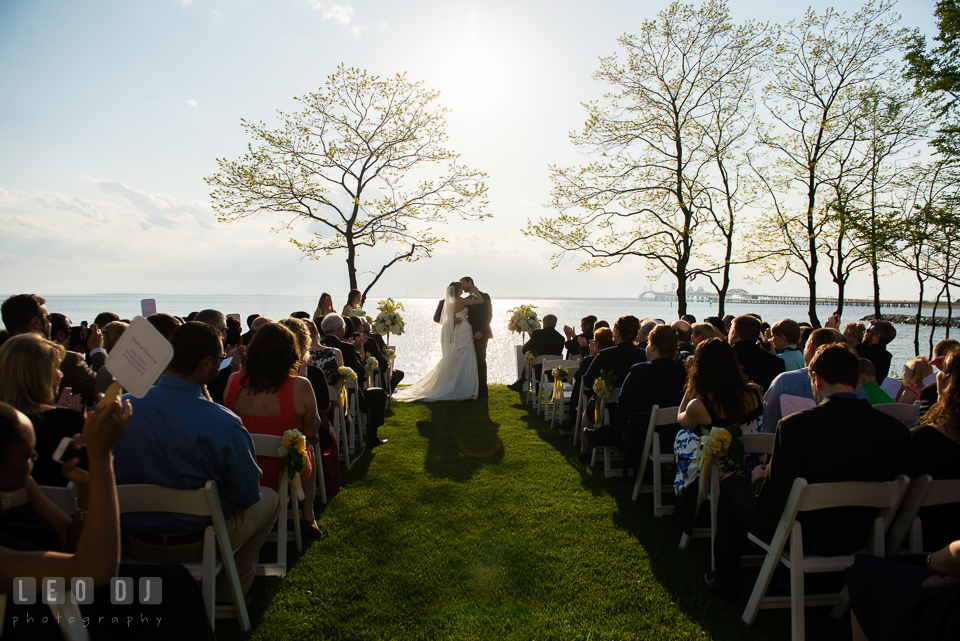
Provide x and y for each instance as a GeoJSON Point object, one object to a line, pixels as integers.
{"type": "Point", "coordinates": [927, 321]}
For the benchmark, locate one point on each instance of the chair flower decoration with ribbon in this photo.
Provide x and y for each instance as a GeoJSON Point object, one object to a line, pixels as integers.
{"type": "Point", "coordinates": [720, 442]}
{"type": "Point", "coordinates": [602, 386]}
{"type": "Point", "coordinates": [560, 376]}
{"type": "Point", "coordinates": [344, 375]}
{"type": "Point", "coordinates": [523, 319]}
{"type": "Point", "coordinates": [371, 364]}
{"type": "Point", "coordinates": [389, 321]}
{"type": "Point", "coordinates": [293, 457]}
{"type": "Point", "coordinates": [528, 359]}
{"type": "Point", "coordinates": [389, 354]}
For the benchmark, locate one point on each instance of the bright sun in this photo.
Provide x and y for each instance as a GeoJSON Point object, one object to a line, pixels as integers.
{"type": "Point", "coordinates": [472, 78]}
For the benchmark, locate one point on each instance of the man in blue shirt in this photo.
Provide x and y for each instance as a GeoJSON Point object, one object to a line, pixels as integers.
{"type": "Point", "coordinates": [181, 439]}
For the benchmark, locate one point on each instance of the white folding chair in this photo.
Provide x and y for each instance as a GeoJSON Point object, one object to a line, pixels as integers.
{"type": "Point", "coordinates": [581, 405]}
{"type": "Point", "coordinates": [790, 404]}
{"type": "Point", "coordinates": [547, 389]}
{"type": "Point", "coordinates": [204, 501]}
{"type": "Point", "coordinates": [357, 421]}
{"type": "Point", "coordinates": [321, 479]}
{"type": "Point", "coordinates": [803, 497]}
{"type": "Point", "coordinates": [338, 418]}
{"type": "Point", "coordinates": [924, 492]}
{"type": "Point", "coordinates": [752, 444]}
{"type": "Point", "coordinates": [892, 387]}
{"type": "Point", "coordinates": [609, 452]}
{"type": "Point", "coordinates": [268, 445]}
{"type": "Point", "coordinates": [906, 414]}
{"type": "Point", "coordinates": [651, 454]}
{"type": "Point", "coordinates": [533, 390]}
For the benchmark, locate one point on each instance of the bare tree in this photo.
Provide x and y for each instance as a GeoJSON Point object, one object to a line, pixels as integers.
{"type": "Point", "coordinates": [646, 193]}
{"type": "Point", "coordinates": [364, 161]}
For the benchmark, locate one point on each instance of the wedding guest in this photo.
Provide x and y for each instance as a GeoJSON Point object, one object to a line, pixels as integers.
{"type": "Point", "coordinates": [232, 341]}
{"type": "Point", "coordinates": [270, 398]}
{"type": "Point", "coordinates": [615, 361]}
{"type": "Point", "coordinates": [759, 366]}
{"type": "Point", "coordinates": [689, 318]}
{"type": "Point", "coordinates": [246, 338]}
{"type": "Point", "coordinates": [111, 334]}
{"type": "Point", "coordinates": [545, 342]}
{"type": "Point", "coordinates": [105, 317]}
{"type": "Point", "coordinates": [4, 335]}
{"type": "Point", "coordinates": [60, 327]}
{"type": "Point", "coordinates": [878, 335]}
{"type": "Point", "coordinates": [353, 302]}
{"type": "Point", "coordinates": [702, 332]}
{"type": "Point", "coordinates": [324, 307]}
{"type": "Point", "coordinates": [218, 385]}
{"type": "Point", "coordinates": [660, 380]}
{"type": "Point", "coordinates": [928, 395]}
{"type": "Point", "coordinates": [371, 400]}
{"type": "Point", "coordinates": [28, 382]}
{"type": "Point", "coordinates": [572, 345]}
{"type": "Point", "coordinates": [785, 335]}
{"type": "Point", "coordinates": [815, 444]}
{"type": "Point", "coordinates": [935, 449]}
{"type": "Point", "coordinates": [27, 314]}
{"type": "Point", "coordinates": [377, 348]}
{"type": "Point", "coordinates": [853, 333]}
{"type": "Point", "coordinates": [178, 438]}
{"type": "Point", "coordinates": [328, 359]}
{"type": "Point", "coordinates": [914, 372]}
{"type": "Point", "coordinates": [685, 344]}
{"type": "Point", "coordinates": [602, 339]}
{"type": "Point", "coordinates": [868, 381]}
{"type": "Point", "coordinates": [718, 394]}
{"type": "Point", "coordinates": [643, 332]}
{"type": "Point", "coordinates": [164, 323]}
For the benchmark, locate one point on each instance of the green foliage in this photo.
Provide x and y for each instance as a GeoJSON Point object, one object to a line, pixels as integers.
{"type": "Point", "coordinates": [363, 162]}
{"type": "Point", "coordinates": [936, 73]}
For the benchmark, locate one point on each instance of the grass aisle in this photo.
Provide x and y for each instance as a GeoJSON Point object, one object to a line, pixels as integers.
{"type": "Point", "coordinates": [477, 522]}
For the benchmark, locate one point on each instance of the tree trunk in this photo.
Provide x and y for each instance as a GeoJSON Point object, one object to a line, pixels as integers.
{"type": "Point", "coordinates": [841, 286]}
{"type": "Point", "coordinates": [933, 317]}
{"type": "Point", "coordinates": [681, 291]}
{"type": "Point", "coordinates": [916, 326]}
{"type": "Point", "coordinates": [875, 268]}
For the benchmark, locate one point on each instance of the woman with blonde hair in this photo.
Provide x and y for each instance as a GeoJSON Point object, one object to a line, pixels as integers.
{"type": "Point", "coordinates": [353, 302]}
{"type": "Point", "coordinates": [29, 378]}
{"type": "Point", "coordinates": [324, 307]}
{"type": "Point", "coordinates": [914, 372]}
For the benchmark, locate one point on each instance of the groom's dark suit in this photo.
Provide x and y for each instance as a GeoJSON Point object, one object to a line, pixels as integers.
{"type": "Point", "coordinates": [479, 317]}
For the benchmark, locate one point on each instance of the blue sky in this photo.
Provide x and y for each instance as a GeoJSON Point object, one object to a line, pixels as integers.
{"type": "Point", "coordinates": [114, 112]}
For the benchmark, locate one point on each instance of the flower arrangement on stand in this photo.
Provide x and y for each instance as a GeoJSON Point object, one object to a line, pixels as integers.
{"type": "Point", "coordinates": [293, 458]}
{"type": "Point", "coordinates": [523, 319]}
{"type": "Point", "coordinates": [389, 321]}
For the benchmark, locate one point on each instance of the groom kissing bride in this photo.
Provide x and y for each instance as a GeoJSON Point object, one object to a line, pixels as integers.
{"type": "Point", "coordinates": [464, 315]}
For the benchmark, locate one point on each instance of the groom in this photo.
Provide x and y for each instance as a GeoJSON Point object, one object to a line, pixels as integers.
{"type": "Point", "coordinates": [479, 317]}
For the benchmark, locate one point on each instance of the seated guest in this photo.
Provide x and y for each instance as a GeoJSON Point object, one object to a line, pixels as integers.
{"type": "Point", "coordinates": [377, 346]}
{"type": "Point", "coordinates": [28, 382]}
{"type": "Point", "coordinates": [111, 334]}
{"type": "Point", "coordinates": [180, 439]}
{"type": "Point", "coordinates": [328, 359]}
{"type": "Point", "coordinates": [602, 339]}
{"type": "Point", "coordinates": [659, 380]}
{"type": "Point", "coordinates": [690, 318]}
{"type": "Point", "coordinates": [928, 395]}
{"type": "Point", "coordinates": [371, 400]}
{"type": "Point", "coordinates": [797, 382]}
{"type": "Point", "coordinates": [842, 439]}
{"type": "Point", "coordinates": [759, 366]}
{"type": "Point", "coordinates": [935, 450]}
{"type": "Point", "coordinates": [685, 344]}
{"type": "Point", "coordinates": [545, 342]}
{"type": "Point", "coordinates": [853, 333]}
{"type": "Point", "coordinates": [246, 338]}
{"type": "Point", "coordinates": [912, 596]}
{"type": "Point", "coordinates": [232, 341]}
{"type": "Point", "coordinates": [60, 327]}
{"type": "Point", "coordinates": [718, 327]}
{"type": "Point", "coordinates": [868, 380]}
{"type": "Point", "coordinates": [914, 373]}
{"type": "Point", "coordinates": [105, 317]}
{"type": "Point", "coordinates": [218, 321]}
{"type": "Point", "coordinates": [300, 315]}
{"type": "Point", "coordinates": [643, 333]}
{"type": "Point", "coordinates": [27, 314]}
{"type": "Point", "coordinates": [573, 339]}
{"type": "Point", "coordinates": [701, 332]}
{"type": "Point", "coordinates": [617, 359]}
{"type": "Point", "coordinates": [270, 398]}
{"type": "Point", "coordinates": [353, 302]}
{"type": "Point", "coordinates": [718, 394]}
{"type": "Point", "coordinates": [785, 336]}
{"type": "Point", "coordinates": [878, 335]}
{"type": "Point", "coordinates": [164, 323]}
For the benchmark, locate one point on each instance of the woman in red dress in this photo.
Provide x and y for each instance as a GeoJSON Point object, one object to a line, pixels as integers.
{"type": "Point", "coordinates": [270, 398]}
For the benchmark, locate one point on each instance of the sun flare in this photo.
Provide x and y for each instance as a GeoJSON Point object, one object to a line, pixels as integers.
{"type": "Point", "coordinates": [473, 78]}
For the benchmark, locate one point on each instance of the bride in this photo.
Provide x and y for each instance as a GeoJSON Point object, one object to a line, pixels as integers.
{"type": "Point", "coordinates": [454, 378]}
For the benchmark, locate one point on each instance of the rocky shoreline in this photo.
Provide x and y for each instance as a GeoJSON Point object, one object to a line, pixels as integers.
{"type": "Point", "coordinates": [910, 319]}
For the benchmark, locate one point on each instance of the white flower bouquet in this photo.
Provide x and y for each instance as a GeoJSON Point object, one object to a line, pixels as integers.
{"type": "Point", "coordinates": [523, 319]}
{"type": "Point", "coordinates": [389, 321]}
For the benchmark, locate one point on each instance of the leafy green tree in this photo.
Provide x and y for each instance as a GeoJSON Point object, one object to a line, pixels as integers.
{"type": "Point", "coordinates": [363, 161]}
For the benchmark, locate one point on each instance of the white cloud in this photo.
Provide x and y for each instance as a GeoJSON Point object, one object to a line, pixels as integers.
{"type": "Point", "coordinates": [192, 102]}
{"type": "Point", "coordinates": [358, 31]}
{"type": "Point", "coordinates": [217, 13]}
{"type": "Point", "coordinates": [186, 2]}
{"type": "Point", "coordinates": [333, 10]}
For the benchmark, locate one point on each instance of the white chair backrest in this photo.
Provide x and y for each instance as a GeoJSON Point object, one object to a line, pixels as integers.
{"type": "Point", "coordinates": [155, 498]}
{"type": "Point", "coordinates": [790, 404]}
{"type": "Point", "coordinates": [266, 444]}
{"type": "Point", "coordinates": [334, 393]}
{"type": "Point", "coordinates": [901, 411]}
{"type": "Point", "coordinates": [663, 416]}
{"type": "Point", "coordinates": [884, 496]}
{"type": "Point", "coordinates": [547, 357]}
{"type": "Point", "coordinates": [930, 380]}
{"type": "Point", "coordinates": [63, 497]}
{"type": "Point", "coordinates": [614, 395]}
{"type": "Point", "coordinates": [891, 386]}
{"type": "Point", "coordinates": [758, 443]}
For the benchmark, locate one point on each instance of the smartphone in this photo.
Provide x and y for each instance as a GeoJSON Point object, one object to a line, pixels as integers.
{"type": "Point", "coordinates": [66, 451]}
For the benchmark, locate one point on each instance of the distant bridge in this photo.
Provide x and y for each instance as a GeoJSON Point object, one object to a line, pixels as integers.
{"type": "Point", "coordinates": [740, 296]}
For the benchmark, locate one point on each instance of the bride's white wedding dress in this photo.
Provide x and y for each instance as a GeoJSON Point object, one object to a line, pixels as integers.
{"type": "Point", "coordinates": [454, 378]}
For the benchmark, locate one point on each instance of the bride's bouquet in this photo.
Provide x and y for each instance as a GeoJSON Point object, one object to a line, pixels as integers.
{"type": "Point", "coordinates": [389, 321]}
{"type": "Point", "coordinates": [523, 319]}
{"type": "Point", "coordinates": [360, 313]}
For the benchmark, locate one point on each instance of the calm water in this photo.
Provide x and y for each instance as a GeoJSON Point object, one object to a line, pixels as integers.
{"type": "Point", "coordinates": [418, 348]}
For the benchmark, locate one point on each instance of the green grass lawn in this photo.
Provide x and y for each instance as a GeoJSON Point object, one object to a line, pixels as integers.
{"type": "Point", "coordinates": [476, 521]}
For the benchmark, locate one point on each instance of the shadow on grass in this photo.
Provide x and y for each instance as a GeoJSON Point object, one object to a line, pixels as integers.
{"type": "Point", "coordinates": [461, 439]}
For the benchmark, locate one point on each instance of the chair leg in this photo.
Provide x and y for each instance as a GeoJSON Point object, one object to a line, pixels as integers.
{"type": "Point", "coordinates": [797, 598]}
